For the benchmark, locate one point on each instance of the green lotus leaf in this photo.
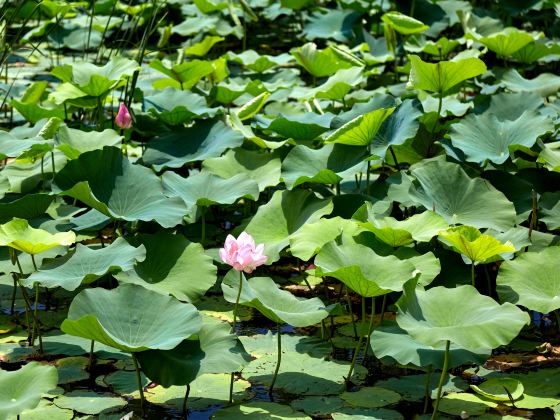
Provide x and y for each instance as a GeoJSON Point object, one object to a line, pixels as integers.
{"type": "Point", "coordinates": [327, 165]}
{"type": "Point", "coordinates": [93, 80]}
{"type": "Point", "coordinates": [11, 146]}
{"type": "Point", "coordinates": [371, 397]}
{"type": "Point", "coordinates": [545, 84]}
{"type": "Point", "coordinates": [283, 216]}
{"type": "Point", "coordinates": [441, 76]}
{"type": "Point", "coordinates": [278, 305]}
{"type": "Point", "coordinates": [86, 265]}
{"type": "Point", "coordinates": [550, 155]}
{"type": "Point", "coordinates": [403, 24]}
{"type": "Point", "coordinates": [124, 382]}
{"type": "Point", "coordinates": [182, 76]}
{"type": "Point", "coordinates": [506, 42]}
{"type": "Point", "coordinates": [256, 62]}
{"type": "Point", "coordinates": [19, 235]}
{"type": "Point", "coordinates": [485, 137]}
{"type": "Point", "coordinates": [22, 389]}
{"type": "Point", "coordinates": [339, 84]}
{"type": "Point", "coordinates": [173, 265]}
{"type": "Point", "coordinates": [362, 270]}
{"type": "Point", "coordinates": [309, 240]}
{"type": "Point", "coordinates": [263, 168]}
{"type": "Point", "coordinates": [440, 48]}
{"type": "Point", "coordinates": [320, 63]}
{"type": "Point", "coordinates": [366, 414]}
{"type": "Point", "coordinates": [215, 351]}
{"type": "Point", "coordinates": [131, 318]}
{"type": "Point", "coordinates": [205, 189]}
{"type": "Point", "coordinates": [460, 315]}
{"type": "Point", "coordinates": [176, 107]}
{"type": "Point", "coordinates": [419, 227]}
{"type": "Point", "coordinates": [306, 126]}
{"type": "Point", "coordinates": [318, 405]}
{"type": "Point", "coordinates": [474, 245]}
{"type": "Point", "coordinates": [106, 181]}
{"type": "Point", "coordinates": [391, 341]}
{"type": "Point", "coordinates": [201, 48]}
{"type": "Point", "coordinates": [47, 410]}
{"type": "Point", "coordinates": [26, 206]}
{"type": "Point", "coordinates": [73, 142]}
{"type": "Point", "coordinates": [550, 207]}
{"type": "Point", "coordinates": [89, 402]}
{"type": "Point", "coordinates": [208, 138]}
{"type": "Point", "coordinates": [330, 24]}
{"type": "Point", "coordinates": [413, 387]}
{"type": "Point", "coordinates": [445, 188]}
{"type": "Point", "coordinates": [253, 106]}
{"type": "Point", "coordinates": [361, 130]}
{"type": "Point", "coordinates": [540, 388]}
{"type": "Point", "coordinates": [295, 4]}
{"type": "Point", "coordinates": [500, 389]}
{"type": "Point", "coordinates": [259, 410]}
{"type": "Point", "coordinates": [457, 403]}
{"type": "Point", "coordinates": [535, 51]}
{"type": "Point", "coordinates": [521, 283]}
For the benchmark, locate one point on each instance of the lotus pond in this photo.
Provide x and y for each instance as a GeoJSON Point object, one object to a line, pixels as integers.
{"type": "Point", "coordinates": [292, 209]}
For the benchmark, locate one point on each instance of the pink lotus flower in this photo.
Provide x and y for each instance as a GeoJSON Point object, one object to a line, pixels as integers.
{"type": "Point", "coordinates": [123, 118]}
{"type": "Point", "coordinates": [242, 253]}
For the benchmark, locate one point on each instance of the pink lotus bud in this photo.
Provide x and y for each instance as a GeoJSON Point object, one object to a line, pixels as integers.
{"type": "Point", "coordinates": [242, 254]}
{"type": "Point", "coordinates": [123, 118]}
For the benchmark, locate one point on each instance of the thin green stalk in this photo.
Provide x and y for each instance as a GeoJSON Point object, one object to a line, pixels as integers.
{"type": "Point", "coordinates": [140, 387]}
{"type": "Point", "coordinates": [472, 274]}
{"type": "Point", "coordinates": [86, 47]}
{"type": "Point", "coordinates": [36, 325]}
{"type": "Point", "coordinates": [24, 294]}
{"type": "Point", "coordinates": [279, 360]}
{"type": "Point", "coordinates": [354, 358]}
{"type": "Point", "coordinates": [427, 393]}
{"type": "Point", "coordinates": [14, 294]}
{"type": "Point", "coordinates": [90, 360]}
{"type": "Point", "coordinates": [351, 314]}
{"type": "Point", "coordinates": [441, 379]}
{"type": "Point", "coordinates": [232, 378]}
{"type": "Point", "coordinates": [370, 328]}
{"type": "Point", "coordinates": [186, 401]}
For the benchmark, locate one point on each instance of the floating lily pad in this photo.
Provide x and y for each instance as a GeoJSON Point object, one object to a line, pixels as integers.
{"type": "Point", "coordinates": [89, 402]}
{"type": "Point", "coordinates": [259, 410]}
{"type": "Point", "coordinates": [72, 369]}
{"type": "Point", "coordinates": [500, 389]}
{"type": "Point", "coordinates": [371, 397]}
{"type": "Point", "coordinates": [367, 414]}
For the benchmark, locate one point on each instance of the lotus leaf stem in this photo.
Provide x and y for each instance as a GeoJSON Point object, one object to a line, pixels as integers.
{"type": "Point", "coordinates": [279, 337]}
{"type": "Point", "coordinates": [351, 313]}
{"type": "Point", "coordinates": [140, 387]}
{"type": "Point", "coordinates": [354, 358]}
{"type": "Point", "coordinates": [186, 401]}
{"type": "Point", "coordinates": [472, 275]}
{"type": "Point", "coordinates": [90, 360]}
{"type": "Point", "coordinates": [370, 328]}
{"type": "Point", "coordinates": [442, 379]}
{"type": "Point", "coordinates": [427, 389]}
{"type": "Point", "coordinates": [36, 326]}
{"type": "Point", "coordinates": [14, 293]}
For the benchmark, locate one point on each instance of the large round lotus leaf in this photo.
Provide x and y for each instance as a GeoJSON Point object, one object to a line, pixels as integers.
{"type": "Point", "coordinates": [362, 270]}
{"type": "Point", "coordinates": [124, 382]}
{"type": "Point", "coordinates": [309, 240]}
{"type": "Point", "coordinates": [89, 402]}
{"type": "Point", "coordinates": [57, 343]}
{"type": "Point", "coordinates": [477, 247]}
{"type": "Point", "coordinates": [545, 84]}
{"type": "Point", "coordinates": [284, 215]}
{"type": "Point", "coordinates": [391, 341]}
{"type": "Point", "coordinates": [361, 130]}
{"type": "Point", "coordinates": [419, 227]}
{"type": "Point", "coordinates": [403, 24]}
{"type": "Point", "coordinates": [215, 351]}
{"type": "Point", "coordinates": [397, 128]}
{"type": "Point", "coordinates": [301, 373]}
{"type": "Point", "coordinates": [485, 137]}
{"type": "Point", "coordinates": [19, 235]}
{"type": "Point", "coordinates": [266, 344]}
{"type": "Point", "coordinates": [106, 181]}
{"type": "Point", "coordinates": [371, 397]}
{"type": "Point", "coordinates": [505, 42]}
{"type": "Point", "coordinates": [205, 189]}
{"type": "Point", "coordinates": [339, 84]}
{"type": "Point", "coordinates": [441, 76]}
{"type": "Point", "coordinates": [46, 410]}
{"type": "Point", "coordinates": [263, 294]}
{"type": "Point", "coordinates": [73, 142]}
{"type": "Point", "coordinates": [261, 167]}
{"type": "Point", "coordinates": [96, 80]}
{"type": "Point", "coordinates": [72, 369]}
{"type": "Point", "coordinates": [413, 387]}
{"type": "Point", "coordinates": [259, 411]}
{"type": "Point", "coordinates": [500, 389]}
{"type": "Point", "coordinates": [460, 315]}
{"type": "Point", "coordinates": [26, 206]}
{"type": "Point", "coordinates": [86, 265]}
{"type": "Point", "coordinates": [22, 389]}
{"type": "Point", "coordinates": [173, 265]}
{"type": "Point", "coordinates": [318, 405]}
{"type": "Point", "coordinates": [446, 189]}
{"type": "Point", "coordinates": [540, 388]}
{"type": "Point", "coordinates": [207, 139]}
{"type": "Point", "coordinates": [366, 414]}
{"type": "Point", "coordinates": [299, 127]}
{"type": "Point", "coordinates": [471, 404]}
{"type": "Point", "coordinates": [320, 63]}
{"type": "Point", "coordinates": [327, 165]}
{"type": "Point", "coordinates": [131, 318]}
{"type": "Point", "coordinates": [532, 280]}
{"type": "Point", "coordinates": [206, 391]}
{"type": "Point", "coordinates": [176, 107]}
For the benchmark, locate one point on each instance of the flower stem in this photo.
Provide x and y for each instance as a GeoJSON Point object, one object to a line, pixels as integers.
{"type": "Point", "coordinates": [279, 337]}
{"type": "Point", "coordinates": [472, 275]}
{"type": "Point", "coordinates": [233, 330]}
{"type": "Point", "coordinates": [139, 379]}
{"type": "Point", "coordinates": [441, 379]}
